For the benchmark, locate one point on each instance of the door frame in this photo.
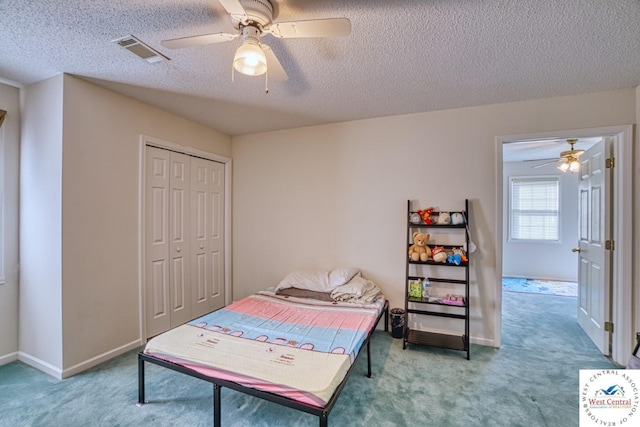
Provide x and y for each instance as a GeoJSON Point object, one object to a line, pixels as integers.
{"type": "Point", "coordinates": [621, 264]}
{"type": "Point", "coordinates": [146, 140]}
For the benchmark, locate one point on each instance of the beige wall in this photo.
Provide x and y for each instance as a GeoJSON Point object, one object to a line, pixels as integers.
{"type": "Point", "coordinates": [98, 208]}
{"type": "Point", "coordinates": [636, 202]}
{"type": "Point", "coordinates": [336, 195]}
{"type": "Point", "coordinates": [9, 156]}
{"type": "Point", "coordinates": [322, 196]}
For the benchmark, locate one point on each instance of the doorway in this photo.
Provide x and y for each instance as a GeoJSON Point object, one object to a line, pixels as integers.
{"type": "Point", "coordinates": [622, 341]}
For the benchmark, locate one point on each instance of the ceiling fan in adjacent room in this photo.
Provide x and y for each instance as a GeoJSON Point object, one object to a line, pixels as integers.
{"type": "Point", "coordinates": [569, 159]}
{"type": "Point", "coordinates": [253, 19]}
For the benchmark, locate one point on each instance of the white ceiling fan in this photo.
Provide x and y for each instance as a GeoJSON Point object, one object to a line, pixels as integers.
{"type": "Point", "coordinates": [254, 19]}
{"type": "Point", "coordinates": [569, 158]}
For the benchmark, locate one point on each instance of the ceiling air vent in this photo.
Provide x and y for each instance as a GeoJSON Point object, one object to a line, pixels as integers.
{"type": "Point", "coordinates": [140, 49]}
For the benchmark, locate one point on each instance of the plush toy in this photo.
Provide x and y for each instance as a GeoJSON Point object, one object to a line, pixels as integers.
{"type": "Point", "coordinates": [454, 259]}
{"type": "Point", "coordinates": [460, 252]}
{"type": "Point", "coordinates": [420, 251]}
{"type": "Point", "coordinates": [438, 254]}
{"type": "Point", "coordinates": [457, 218]}
{"type": "Point", "coordinates": [425, 214]}
{"type": "Point", "coordinates": [444, 218]}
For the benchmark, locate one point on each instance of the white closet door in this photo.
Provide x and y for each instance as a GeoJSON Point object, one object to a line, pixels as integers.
{"type": "Point", "coordinates": [167, 269]}
{"type": "Point", "coordinates": [179, 269]}
{"type": "Point", "coordinates": [216, 235]}
{"type": "Point", "coordinates": [184, 238]}
{"type": "Point", "coordinates": [207, 235]}
{"type": "Point", "coordinates": [157, 239]}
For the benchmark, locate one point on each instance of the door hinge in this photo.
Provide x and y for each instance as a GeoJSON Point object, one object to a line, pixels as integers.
{"type": "Point", "coordinates": [608, 326]}
{"type": "Point", "coordinates": [610, 245]}
{"type": "Point", "coordinates": [610, 163]}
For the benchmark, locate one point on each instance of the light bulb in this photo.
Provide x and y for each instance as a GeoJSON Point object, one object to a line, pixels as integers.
{"type": "Point", "coordinates": [564, 167]}
{"type": "Point", "coordinates": [250, 58]}
{"type": "Point", "coordinates": [574, 166]}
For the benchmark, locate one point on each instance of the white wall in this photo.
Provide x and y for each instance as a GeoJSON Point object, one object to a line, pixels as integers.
{"type": "Point", "coordinates": [336, 195]}
{"type": "Point", "coordinates": [551, 261]}
{"type": "Point", "coordinates": [40, 322]}
{"type": "Point", "coordinates": [10, 158]}
{"type": "Point", "coordinates": [93, 216]}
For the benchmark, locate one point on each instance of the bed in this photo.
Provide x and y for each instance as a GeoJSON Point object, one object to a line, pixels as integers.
{"type": "Point", "coordinates": [294, 344]}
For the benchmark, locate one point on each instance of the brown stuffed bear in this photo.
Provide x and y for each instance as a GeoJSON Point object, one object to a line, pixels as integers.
{"type": "Point", "coordinates": [420, 251]}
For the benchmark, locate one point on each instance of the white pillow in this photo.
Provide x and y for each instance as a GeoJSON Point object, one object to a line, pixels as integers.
{"type": "Point", "coordinates": [313, 280]}
{"type": "Point", "coordinates": [340, 276]}
{"type": "Point", "coordinates": [317, 280]}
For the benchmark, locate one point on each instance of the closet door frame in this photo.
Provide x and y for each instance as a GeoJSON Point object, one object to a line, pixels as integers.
{"type": "Point", "coordinates": [146, 140]}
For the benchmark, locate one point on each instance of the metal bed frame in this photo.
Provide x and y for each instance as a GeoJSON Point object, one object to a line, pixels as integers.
{"type": "Point", "coordinates": [322, 413]}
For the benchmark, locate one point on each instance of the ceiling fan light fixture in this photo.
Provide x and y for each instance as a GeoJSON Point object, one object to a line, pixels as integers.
{"type": "Point", "coordinates": [574, 165]}
{"type": "Point", "coordinates": [571, 164]}
{"type": "Point", "coordinates": [250, 58]}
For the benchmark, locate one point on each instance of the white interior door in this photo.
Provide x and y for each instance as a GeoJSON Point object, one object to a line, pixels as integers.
{"type": "Point", "coordinates": [184, 238]}
{"type": "Point", "coordinates": [207, 235]}
{"type": "Point", "coordinates": [216, 235]}
{"type": "Point", "coordinates": [179, 247]}
{"type": "Point", "coordinates": [158, 318]}
{"type": "Point", "coordinates": [594, 287]}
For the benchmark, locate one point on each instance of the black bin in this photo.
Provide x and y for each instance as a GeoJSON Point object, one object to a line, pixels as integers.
{"type": "Point", "coordinates": [397, 322]}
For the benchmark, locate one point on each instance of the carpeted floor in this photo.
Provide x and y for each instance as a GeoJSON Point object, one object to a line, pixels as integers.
{"type": "Point", "coordinates": [534, 286]}
{"type": "Point", "coordinates": [532, 380]}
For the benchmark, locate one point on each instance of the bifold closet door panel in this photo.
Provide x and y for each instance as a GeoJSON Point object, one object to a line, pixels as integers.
{"type": "Point", "coordinates": [207, 235]}
{"type": "Point", "coordinates": [180, 247]}
{"type": "Point", "coordinates": [167, 269]}
{"type": "Point", "coordinates": [157, 312]}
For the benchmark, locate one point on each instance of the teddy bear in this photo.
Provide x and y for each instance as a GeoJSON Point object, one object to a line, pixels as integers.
{"type": "Point", "coordinates": [420, 251]}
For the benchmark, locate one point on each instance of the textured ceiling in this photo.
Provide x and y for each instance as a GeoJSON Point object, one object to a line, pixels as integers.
{"type": "Point", "coordinates": [402, 56]}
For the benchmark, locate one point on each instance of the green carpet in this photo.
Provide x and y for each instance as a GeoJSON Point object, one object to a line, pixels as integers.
{"type": "Point", "coordinates": [531, 381]}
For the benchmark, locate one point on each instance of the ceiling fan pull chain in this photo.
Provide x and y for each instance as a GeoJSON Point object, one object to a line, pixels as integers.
{"type": "Point", "coordinates": [266, 81]}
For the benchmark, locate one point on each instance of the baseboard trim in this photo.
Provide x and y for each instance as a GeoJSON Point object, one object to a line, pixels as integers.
{"type": "Point", "coordinates": [90, 363]}
{"type": "Point", "coordinates": [8, 358]}
{"type": "Point", "coordinates": [482, 341]}
{"type": "Point", "coordinates": [40, 364]}
{"type": "Point", "coordinates": [61, 374]}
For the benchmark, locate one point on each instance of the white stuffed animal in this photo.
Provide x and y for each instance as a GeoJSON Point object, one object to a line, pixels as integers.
{"type": "Point", "coordinates": [457, 218]}
{"type": "Point", "coordinates": [444, 218]}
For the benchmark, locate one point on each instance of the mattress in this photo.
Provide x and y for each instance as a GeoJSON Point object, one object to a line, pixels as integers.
{"type": "Point", "coordinates": [298, 348]}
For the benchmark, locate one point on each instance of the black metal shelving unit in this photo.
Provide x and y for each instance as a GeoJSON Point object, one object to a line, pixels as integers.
{"type": "Point", "coordinates": [456, 339]}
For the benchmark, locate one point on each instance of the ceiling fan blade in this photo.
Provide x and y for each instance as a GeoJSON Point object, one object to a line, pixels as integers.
{"type": "Point", "coordinates": [545, 164]}
{"type": "Point", "coordinates": [330, 27]}
{"type": "Point", "coordinates": [234, 8]}
{"type": "Point", "coordinates": [274, 68]}
{"type": "Point", "coordinates": [197, 40]}
{"type": "Point", "coordinates": [538, 160]}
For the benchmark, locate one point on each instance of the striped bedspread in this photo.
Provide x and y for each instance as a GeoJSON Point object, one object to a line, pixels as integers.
{"type": "Point", "coordinates": [294, 347]}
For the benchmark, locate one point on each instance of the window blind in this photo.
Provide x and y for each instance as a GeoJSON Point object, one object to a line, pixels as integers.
{"type": "Point", "coordinates": [534, 209]}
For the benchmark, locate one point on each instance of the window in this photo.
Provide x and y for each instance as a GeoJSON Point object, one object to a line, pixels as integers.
{"type": "Point", "coordinates": [534, 213]}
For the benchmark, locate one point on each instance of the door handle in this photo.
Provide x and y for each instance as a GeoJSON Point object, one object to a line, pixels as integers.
{"type": "Point", "coordinates": [576, 250]}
